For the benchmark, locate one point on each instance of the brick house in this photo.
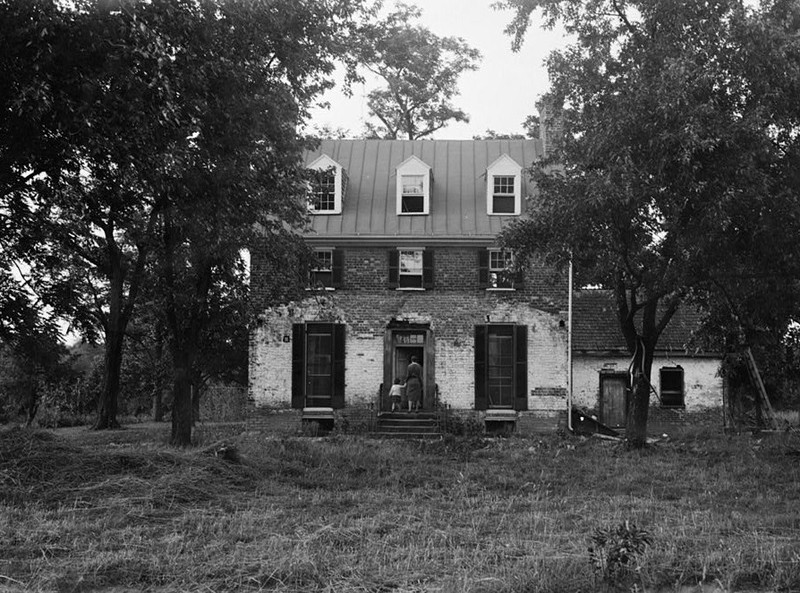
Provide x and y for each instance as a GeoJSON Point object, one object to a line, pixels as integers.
{"type": "Point", "coordinates": [405, 237]}
{"type": "Point", "coordinates": [408, 265]}
{"type": "Point", "coordinates": [685, 379]}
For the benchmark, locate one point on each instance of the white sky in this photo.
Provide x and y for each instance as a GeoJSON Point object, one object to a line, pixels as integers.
{"type": "Point", "coordinates": [497, 96]}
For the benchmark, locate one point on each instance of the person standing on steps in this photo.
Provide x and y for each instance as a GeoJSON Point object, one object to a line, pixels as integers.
{"type": "Point", "coordinates": [414, 385]}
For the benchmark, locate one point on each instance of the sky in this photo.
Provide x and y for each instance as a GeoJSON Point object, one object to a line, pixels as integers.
{"type": "Point", "coordinates": [498, 96]}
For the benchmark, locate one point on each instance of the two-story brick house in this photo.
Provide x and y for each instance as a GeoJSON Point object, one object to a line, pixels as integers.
{"type": "Point", "coordinates": [408, 265]}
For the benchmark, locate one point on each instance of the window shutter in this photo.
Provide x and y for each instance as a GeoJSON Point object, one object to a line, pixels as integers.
{"type": "Point", "coordinates": [481, 401]}
{"type": "Point", "coordinates": [298, 365]}
{"type": "Point", "coordinates": [394, 265]}
{"type": "Point", "coordinates": [337, 399]}
{"type": "Point", "coordinates": [519, 277]}
{"type": "Point", "coordinates": [427, 269]}
{"type": "Point", "coordinates": [520, 367]}
{"type": "Point", "coordinates": [338, 268]}
{"type": "Point", "coordinates": [483, 268]}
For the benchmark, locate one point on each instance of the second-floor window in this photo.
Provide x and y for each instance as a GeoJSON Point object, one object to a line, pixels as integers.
{"type": "Point", "coordinates": [326, 270]}
{"type": "Point", "coordinates": [413, 196]}
{"type": "Point", "coordinates": [410, 271]}
{"type": "Point", "coordinates": [411, 268]}
{"type": "Point", "coordinates": [501, 268]}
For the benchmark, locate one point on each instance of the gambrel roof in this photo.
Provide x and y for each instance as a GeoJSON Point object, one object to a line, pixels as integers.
{"type": "Point", "coordinates": [458, 191]}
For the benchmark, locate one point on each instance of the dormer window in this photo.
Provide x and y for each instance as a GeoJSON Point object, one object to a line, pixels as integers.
{"type": "Point", "coordinates": [504, 187]}
{"type": "Point", "coordinates": [413, 187]}
{"type": "Point", "coordinates": [327, 186]}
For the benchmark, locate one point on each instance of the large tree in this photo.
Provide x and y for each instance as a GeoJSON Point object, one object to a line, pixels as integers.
{"type": "Point", "coordinates": [421, 72]}
{"type": "Point", "coordinates": [676, 169]}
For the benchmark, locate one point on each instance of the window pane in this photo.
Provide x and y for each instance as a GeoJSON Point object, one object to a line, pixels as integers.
{"type": "Point", "coordinates": [324, 260]}
{"type": "Point", "coordinates": [412, 204]}
{"type": "Point", "coordinates": [503, 204]}
{"type": "Point", "coordinates": [500, 366]}
{"type": "Point", "coordinates": [319, 363]}
{"type": "Point", "coordinates": [504, 184]}
{"type": "Point", "coordinates": [412, 185]}
{"type": "Point", "coordinates": [411, 262]}
{"type": "Point", "coordinates": [324, 191]}
{"type": "Point", "coordinates": [500, 268]}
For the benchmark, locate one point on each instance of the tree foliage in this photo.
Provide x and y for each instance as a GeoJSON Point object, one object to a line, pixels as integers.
{"type": "Point", "coordinates": [421, 72]}
{"type": "Point", "coordinates": [676, 172]}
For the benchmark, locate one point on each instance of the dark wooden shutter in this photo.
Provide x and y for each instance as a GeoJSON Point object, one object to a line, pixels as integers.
{"type": "Point", "coordinates": [394, 265]}
{"type": "Point", "coordinates": [519, 277]}
{"type": "Point", "coordinates": [483, 268]}
{"type": "Point", "coordinates": [298, 365]}
{"type": "Point", "coordinates": [520, 367]}
{"type": "Point", "coordinates": [427, 269]}
{"type": "Point", "coordinates": [481, 400]}
{"type": "Point", "coordinates": [338, 268]}
{"type": "Point", "coordinates": [337, 397]}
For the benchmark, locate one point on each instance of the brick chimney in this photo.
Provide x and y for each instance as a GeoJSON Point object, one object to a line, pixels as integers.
{"type": "Point", "coordinates": [551, 123]}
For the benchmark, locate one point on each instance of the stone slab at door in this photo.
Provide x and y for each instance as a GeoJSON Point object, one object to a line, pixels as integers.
{"type": "Point", "coordinates": [613, 399]}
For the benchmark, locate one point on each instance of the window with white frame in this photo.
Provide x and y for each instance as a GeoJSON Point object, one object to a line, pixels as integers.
{"type": "Point", "coordinates": [322, 272]}
{"type": "Point", "coordinates": [323, 194]}
{"type": "Point", "coordinates": [504, 187]}
{"type": "Point", "coordinates": [412, 200]}
{"type": "Point", "coordinates": [503, 194]}
{"type": "Point", "coordinates": [501, 268]}
{"type": "Point", "coordinates": [413, 187]}
{"type": "Point", "coordinates": [410, 268]}
{"type": "Point", "coordinates": [327, 186]}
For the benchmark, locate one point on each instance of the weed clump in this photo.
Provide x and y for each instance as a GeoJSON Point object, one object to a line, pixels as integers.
{"type": "Point", "coordinates": [615, 552]}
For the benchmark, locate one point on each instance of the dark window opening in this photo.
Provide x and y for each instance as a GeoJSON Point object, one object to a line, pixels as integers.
{"type": "Point", "coordinates": [411, 267]}
{"type": "Point", "coordinates": [412, 199]}
{"type": "Point", "coordinates": [672, 390]}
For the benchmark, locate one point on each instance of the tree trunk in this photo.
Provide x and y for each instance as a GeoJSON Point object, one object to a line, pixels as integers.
{"type": "Point", "coordinates": [107, 404]}
{"type": "Point", "coordinates": [181, 404]}
{"type": "Point", "coordinates": [639, 404]}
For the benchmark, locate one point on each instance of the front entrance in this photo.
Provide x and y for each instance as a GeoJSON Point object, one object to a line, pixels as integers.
{"type": "Point", "coordinates": [613, 399]}
{"type": "Point", "coordinates": [401, 344]}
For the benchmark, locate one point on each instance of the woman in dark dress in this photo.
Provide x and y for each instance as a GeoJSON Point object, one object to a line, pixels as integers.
{"type": "Point", "coordinates": [414, 384]}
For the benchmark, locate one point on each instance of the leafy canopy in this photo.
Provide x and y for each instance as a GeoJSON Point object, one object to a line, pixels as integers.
{"type": "Point", "coordinates": [421, 72]}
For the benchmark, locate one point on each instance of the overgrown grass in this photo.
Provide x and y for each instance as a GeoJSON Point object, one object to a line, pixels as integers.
{"type": "Point", "coordinates": [78, 513]}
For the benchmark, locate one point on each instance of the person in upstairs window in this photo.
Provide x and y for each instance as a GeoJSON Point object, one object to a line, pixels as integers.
{"type": "Point", "coordinates": [396, 394]}
{"type": "Point", "coordinates": [414, 385]}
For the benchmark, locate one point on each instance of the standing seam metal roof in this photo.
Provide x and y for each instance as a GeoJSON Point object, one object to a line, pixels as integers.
{"type": "Point", "coordinates": [458, 187]}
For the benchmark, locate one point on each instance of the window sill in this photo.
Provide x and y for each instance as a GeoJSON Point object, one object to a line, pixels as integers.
{"type": "Point", "coordinates": [316, 212]}
{"type": "Point", "coordinates": [412, 214]}
{"type": "Point", "coordinates": [320, 289]}
{"type": "Point", "coordinates": [501, 289]}
{"type": "Point", "coordinates": [410, 289]}
{"type": "Point", "coordinates": [503, 213]}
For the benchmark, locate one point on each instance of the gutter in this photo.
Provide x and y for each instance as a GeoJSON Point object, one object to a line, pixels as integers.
{"type": "Point", "coordinates": [569, 350]}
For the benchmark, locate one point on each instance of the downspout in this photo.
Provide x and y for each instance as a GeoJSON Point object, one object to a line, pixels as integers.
{"type": "Point", "coordinates": [569, 349]}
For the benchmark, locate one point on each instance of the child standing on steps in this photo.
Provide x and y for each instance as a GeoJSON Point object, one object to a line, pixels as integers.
{"type": "Point", "coordinates": [396, 394]}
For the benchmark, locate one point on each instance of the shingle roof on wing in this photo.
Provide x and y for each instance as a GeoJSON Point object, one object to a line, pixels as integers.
{"type": "Point", "coordinates": [458, 187]}
{"type": "Point", "coordinates": [595, 327]}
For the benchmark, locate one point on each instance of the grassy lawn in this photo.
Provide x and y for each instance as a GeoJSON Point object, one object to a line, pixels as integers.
{"type": "Point", "coordinates": [81, 511]}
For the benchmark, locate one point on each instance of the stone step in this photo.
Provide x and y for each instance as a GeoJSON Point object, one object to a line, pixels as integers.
{"type": "Point", "coordinates": [405, 435]}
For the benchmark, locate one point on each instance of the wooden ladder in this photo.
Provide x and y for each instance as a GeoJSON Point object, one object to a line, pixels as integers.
{"type": "Point", "coordinates": [769, 415]}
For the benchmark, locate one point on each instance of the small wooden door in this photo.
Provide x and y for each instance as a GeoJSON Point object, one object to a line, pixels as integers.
{"type": "Point", "coordinates": [613, 399]}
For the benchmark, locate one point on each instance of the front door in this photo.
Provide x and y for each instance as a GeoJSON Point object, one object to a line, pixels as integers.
{"type": "Point", "coordinates": [613, 399]}
{"type": "Point", "coordinates": [402, 344]}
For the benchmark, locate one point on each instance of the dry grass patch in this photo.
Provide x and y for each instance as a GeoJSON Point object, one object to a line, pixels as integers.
{"type": "Point", "coordinates": [353, 514]}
